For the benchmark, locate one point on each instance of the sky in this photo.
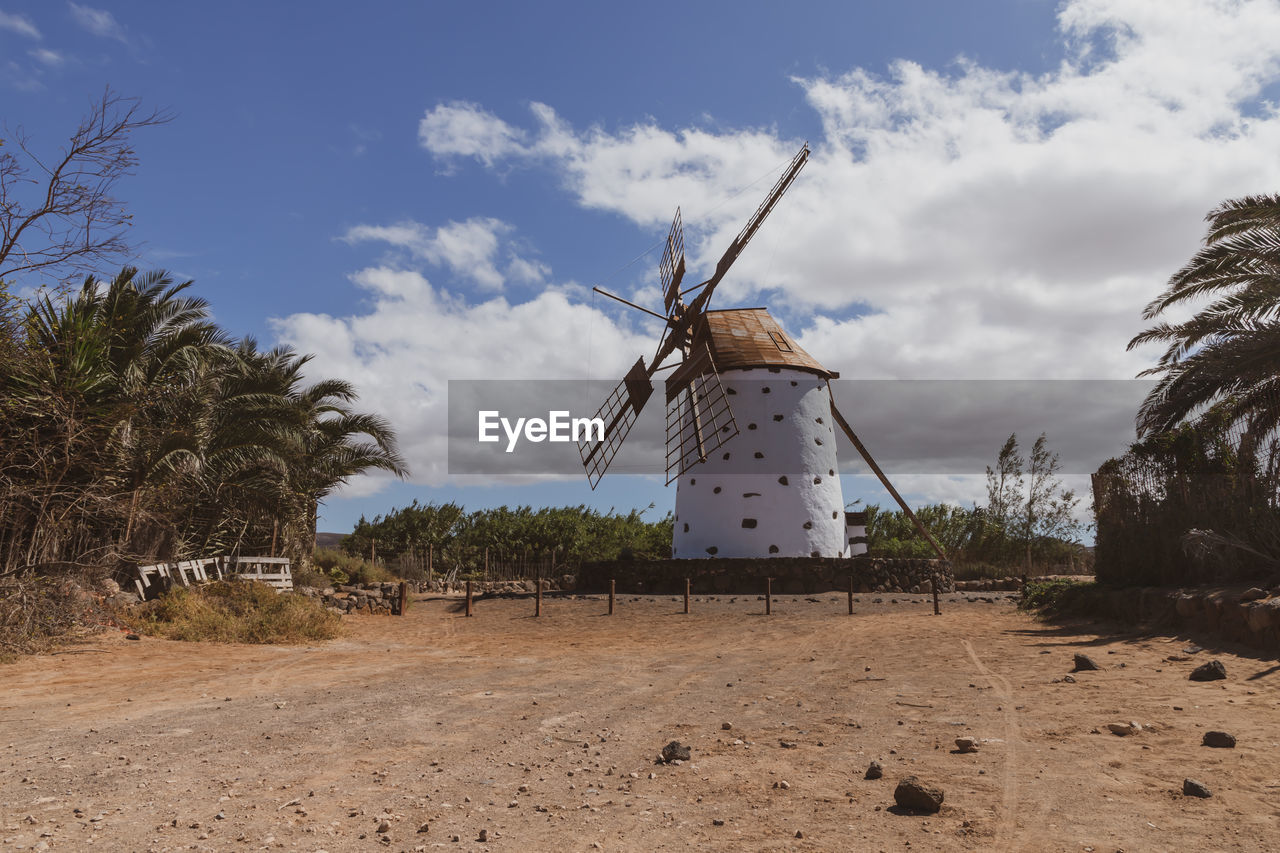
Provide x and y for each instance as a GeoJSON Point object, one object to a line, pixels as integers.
{"type": "Point", "coordinates": [425, 192]}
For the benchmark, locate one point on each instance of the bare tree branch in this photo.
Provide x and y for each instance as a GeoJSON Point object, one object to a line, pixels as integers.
{"type": "Point", "coordinates": [59, 216]}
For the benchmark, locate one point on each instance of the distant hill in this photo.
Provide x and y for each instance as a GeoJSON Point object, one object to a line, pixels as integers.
{"type": "Point", "coordinates": [329, 540]}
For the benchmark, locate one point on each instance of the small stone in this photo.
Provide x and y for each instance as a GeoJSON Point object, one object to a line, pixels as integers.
{"type": "Point", "coordinates": [220, 816]}
{"type": "Point", "coordinates": [1220, 740]}
{"type": "Point", "coordinates": [717, 822]}
{"type": "Point", "coordinates": [1124, 729]}
{"type": "Point", "coordinates": [916, 796]}
{"type": "Point", "coordinates": [726, 726]}
{"type": "Point", "coordinates": [1192, 788]}
{"type": "Point", "coordinates": [787, 744]}
{"type": "Point", "coordinates": [874, 770]}
{"type": "Point", "coordinates": [1211, 671]}
{"type": "Point", "coordinates": [483, 836]}
{"type": "Point", "coordinates": [799, 833]}
{"type": "Point", "coordinates": [132, 637]}
{"type": "Point", "coordinates": [1253, 594]}
{"type": "Point", "coordinates": [1084, 663]}
{"type": "Point", "coordinates": [1069, 679]}
{"type": "Point", "coordinates": [426, 827]}
{"type": "Point", "coordinates": [675, 751]}
{"type": "Point", "coordinates": [966, 744]}
{"type": "Point", "coordinates": [383, 826]}
{"type": "Point", "coordinates": [784, 785]}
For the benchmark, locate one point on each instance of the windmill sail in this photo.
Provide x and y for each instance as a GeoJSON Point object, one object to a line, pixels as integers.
{"type": "Point", "coordinates": [619, 413]}
{"type": "Point", "coordinates": [671, 267]}
{"type": "Point", "coordinates": [699, 419]}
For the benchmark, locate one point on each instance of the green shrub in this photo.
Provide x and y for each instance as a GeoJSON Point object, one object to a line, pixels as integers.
{"type": "Point", "coordinates": [236, 611]}
{"type": "Point", "coordinates": [344, 568]}
{"type": "Point", "coordinates": [1059, 597]}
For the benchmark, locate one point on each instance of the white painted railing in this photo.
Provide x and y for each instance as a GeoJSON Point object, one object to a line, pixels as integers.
{"type": "Point", "coordinates": [273, 571]}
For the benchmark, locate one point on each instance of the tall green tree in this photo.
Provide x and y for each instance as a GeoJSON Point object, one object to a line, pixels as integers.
{"type": "Point", "coordinates": [1228, 352]}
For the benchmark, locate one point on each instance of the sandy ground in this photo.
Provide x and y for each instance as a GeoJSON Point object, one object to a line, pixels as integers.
{"type": "Point", "coordinates": [543, 734]}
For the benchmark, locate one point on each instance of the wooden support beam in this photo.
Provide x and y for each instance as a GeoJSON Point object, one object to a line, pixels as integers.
{"type": "Point", "coordinates": [612, 589]}
{"type": "Point", "coordinates": [871, 463]}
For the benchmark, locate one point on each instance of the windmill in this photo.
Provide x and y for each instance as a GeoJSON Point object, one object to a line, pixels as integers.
{"type": "Point", "coordinates": [750, 420]}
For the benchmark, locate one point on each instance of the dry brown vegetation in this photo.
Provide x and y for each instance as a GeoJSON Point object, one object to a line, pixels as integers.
{"type": "Point", "coordinates": [236, 611]}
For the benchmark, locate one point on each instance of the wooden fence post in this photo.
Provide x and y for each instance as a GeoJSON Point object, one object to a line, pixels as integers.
{"type": "Point", "coordinates": [686, 595]}
{"type": "Point", "coordinates": [768, 596]}
{"type": "Point", "coordinates": [537, 600]}
{"type": "Point", "coordinates": [404, 596]}
{"type": "Point", "coordinates": [933, 582]}
{"type": "Point", "coordinates": [468, 598]}
{"type": "Point", "coordinates": [850, 595]}
{"type": "Point", "coordinates": [612, 588]}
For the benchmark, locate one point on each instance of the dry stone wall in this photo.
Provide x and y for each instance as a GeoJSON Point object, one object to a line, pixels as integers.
{"type": "Point", "coordinates": [791, 575]}
{"type": "Point", "coordinates": [1251, 616]}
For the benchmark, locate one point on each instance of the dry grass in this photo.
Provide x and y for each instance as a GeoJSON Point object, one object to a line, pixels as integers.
{"type": "Point", "coordinates": [40, 613]}
{"type": "Point", "coordinates": [237, 612]}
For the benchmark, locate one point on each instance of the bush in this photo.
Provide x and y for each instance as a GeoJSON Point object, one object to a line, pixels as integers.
{"type": "Point", "coordinates": [1059, 597]}
{"type": "Point", "coordinates": [236, 611]}
{"type": "Point", "coordinates": [38, 613]}
{"type": "Point", "coordinates": [344, 568]}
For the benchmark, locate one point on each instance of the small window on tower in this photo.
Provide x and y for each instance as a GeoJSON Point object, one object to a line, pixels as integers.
{"type": "Point", "coordinates": [781, 341]}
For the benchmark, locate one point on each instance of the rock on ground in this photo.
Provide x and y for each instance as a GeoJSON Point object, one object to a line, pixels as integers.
{"type": "Point", "coordinates": [674, 751]}
{"type": "Point", "coordinates": [1193, 788]}
{"type": "Point", "coordinates": [1221, 740]}
{"type": "Point", "coordinates": [874, 770]}
{"type": "Point", "coordinates": [1211, 671]}
{"type": "Point", "coordinates": [1084, 663]}
{"type": "Point", "coordinates": [916, 796]}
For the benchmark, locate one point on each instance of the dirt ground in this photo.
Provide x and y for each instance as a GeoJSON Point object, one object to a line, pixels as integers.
{"type": "Point", "coordinates": [414, 731]}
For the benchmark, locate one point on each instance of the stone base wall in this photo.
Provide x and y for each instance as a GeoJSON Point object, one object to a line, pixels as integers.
{"type": "Point", "coordinates": [1251, 617]}
{"type": "Point", "coordinates": [791, 575]}
{"type": "Point", "coordinates": [383, 598]}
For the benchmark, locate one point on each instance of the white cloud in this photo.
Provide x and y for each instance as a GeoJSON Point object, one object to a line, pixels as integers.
{"type": "Point", "coordinates": [984, 222]}
{"type": "Point", "coordinates": [980, 223]}
{"type": "Point", "coordinates": [100, 22]}
{"type": "Point", "coordinates": [472, 250]}
{"type": "Point", "coordinates": [19, 24]}
{"type": "Point", "coordinates": [464, 129]}
{"type": "Point", "coordinates": [48, 57]}
{"type": "Point", "coordinates": [403, 352]}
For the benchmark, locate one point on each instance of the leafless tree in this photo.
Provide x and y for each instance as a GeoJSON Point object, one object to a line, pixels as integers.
{"type": "Point", "coordinates": [58, 216]}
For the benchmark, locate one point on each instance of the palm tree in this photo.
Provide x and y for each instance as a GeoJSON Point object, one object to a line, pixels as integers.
{"type": "Point", "coordinates": [1228, 354]}
{"type": "Point", "coordinates": [105, 400]}
{"type": "Point", "coordinates": [324, 444]}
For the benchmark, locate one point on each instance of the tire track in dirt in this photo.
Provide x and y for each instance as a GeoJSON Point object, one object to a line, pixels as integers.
{"type": "Point", "coordinates": [1008, 824]}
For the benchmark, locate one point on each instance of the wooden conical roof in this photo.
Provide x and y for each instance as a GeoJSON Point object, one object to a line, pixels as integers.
{"type": "Point", "coordinates": [741, 339]}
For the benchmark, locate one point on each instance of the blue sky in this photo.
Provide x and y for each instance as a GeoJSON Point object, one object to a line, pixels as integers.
{"type": "Point", "coordinates": [419, 192]}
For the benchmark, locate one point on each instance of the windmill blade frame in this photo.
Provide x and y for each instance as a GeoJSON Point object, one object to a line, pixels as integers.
{"type": "Point", "coordinates": [699, 418]}
{"type": "Point", "coordinates": [619, 412]}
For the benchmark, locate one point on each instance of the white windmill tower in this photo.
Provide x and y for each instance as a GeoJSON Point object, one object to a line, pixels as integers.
{"type": "Point", "coordinates": [751, 422]}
